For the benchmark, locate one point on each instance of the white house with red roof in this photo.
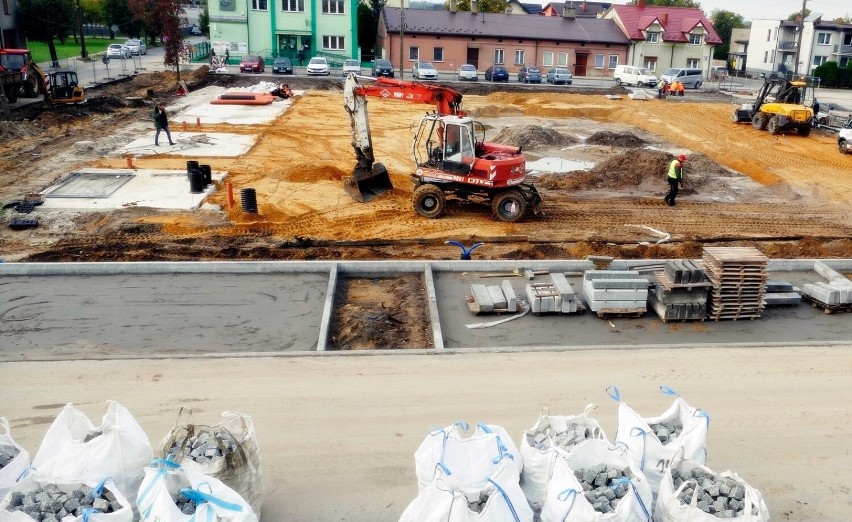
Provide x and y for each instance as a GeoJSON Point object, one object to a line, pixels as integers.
{"type": "Point", "coordinates": [663, 37]}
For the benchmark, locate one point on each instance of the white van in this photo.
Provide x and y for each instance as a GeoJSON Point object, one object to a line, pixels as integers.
{"type": "Point", "coordinates": [688, 77]}
{"type": "Point", "coordinates": [630, 75]}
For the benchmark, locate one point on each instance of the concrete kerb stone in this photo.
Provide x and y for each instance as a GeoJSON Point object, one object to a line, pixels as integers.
{"type": "Point", "coordinates": [325, 323]}
{"type": "Point", "coordinates": [432, 299]}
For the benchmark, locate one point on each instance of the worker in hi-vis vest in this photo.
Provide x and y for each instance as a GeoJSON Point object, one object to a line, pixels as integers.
{"type": "Point", "coordinates": [675, 177]}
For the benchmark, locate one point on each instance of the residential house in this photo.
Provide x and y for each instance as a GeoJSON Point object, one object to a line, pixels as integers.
{"type": "Point", "coordinates": [738, 50]}
{"type": "Point", "coordinates": [774, 45]}
{"type": "Point", "coordinates": [9, 35]}
{"type": "Point", "coordinates": [581, 8]}
{"type": "Point", "coordinates": [587, 46]}
{"type": "Point", "coordinates": [663, 37]}
{"type": "Point", "coordinates": [283, 27]}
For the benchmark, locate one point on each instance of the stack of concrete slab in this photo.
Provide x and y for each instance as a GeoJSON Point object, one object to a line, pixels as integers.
{"type": "Point", "coordinates": [738, 276]}
{"type": "Point", "coordinates": [681, 292]}
{"type": "Point", "coordinates": [554, 297]}
{"type": "Point", "coordinates": [781, 293]}
{"type": "Point", "coordinates": [492, 299]}
{"type": "Point", "coordinates": [834, 296]}
{"type": "Point", "coordinates": [616, 291]}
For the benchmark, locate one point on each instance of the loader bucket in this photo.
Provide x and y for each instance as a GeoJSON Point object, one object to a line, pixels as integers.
{"type": "Point", "coordinates": [366, 185]}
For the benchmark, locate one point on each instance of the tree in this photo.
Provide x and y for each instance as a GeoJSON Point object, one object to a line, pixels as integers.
{"type": "Point", "coordinates": [367, 27]}
{"type": "Point", "coordinates": [670, 3]}
{"type": "Point", "coordinates": [795, 16]}
{"type": "Point", "coordinates": [482, 6]}
{"type": "Point", "coordinates": [725, 22]}
{"type": "Point", "coordinates": [44, 20]}
{"type": "Point", "coordinates": [164, 17]}
{"type": "Point", "coordinates": [116, 12]}
{"type": "Point", "coordinates": [204, 20]}
{"type": "Point", "coordinates": [843, 20]}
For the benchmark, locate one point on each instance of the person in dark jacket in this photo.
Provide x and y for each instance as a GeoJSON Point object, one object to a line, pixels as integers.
{"type": "Point", "coordinates": [161, 122]}
{"type": "Point", "coordinates": [675, 178]}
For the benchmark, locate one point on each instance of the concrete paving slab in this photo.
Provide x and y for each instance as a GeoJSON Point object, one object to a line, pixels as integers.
{"type": "Point", "coordinates": [147, 188]}
{"type": "Point", "coordinates": [232, 114]}
{"type": "Point", "coordinates": [190, 144]}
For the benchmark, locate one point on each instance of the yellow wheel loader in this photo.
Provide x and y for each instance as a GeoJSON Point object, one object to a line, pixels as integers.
{"type": "Point", "coordinates": [780, 106]}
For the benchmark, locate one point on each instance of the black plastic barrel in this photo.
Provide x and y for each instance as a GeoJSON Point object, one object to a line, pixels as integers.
{"type": "Point", "coordinates": [196, 181]}
{"type": "Point", "coordinates": [249, 200]}
{"type": "Point", "coordinates": [190, 166]}
{"type": "Point", "coordinates": [207, 174]}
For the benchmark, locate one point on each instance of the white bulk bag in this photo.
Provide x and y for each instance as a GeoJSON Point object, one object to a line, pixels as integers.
{"type": "Point", "coordinates": [119, 449]}
{"type": "Point", "coordinates": [14, 470]}
{"type": "Point", "coordinates": [645, 448]}
{"type": "Point", "coordinates": [165, 480]}
{"type": "Point", "coordinates": [565, 500]}
{"type": "Point", "coordinates": [240, 470]}
{"type": "Point", "coordinates": [538, 459]}
{"type": "Point", "coordinates": [36, 482]}
{"type": "Point", "coordinates": [440, 501]}
{"type": "Point", "coordinates": [670, 509]}
{"type": "Point", "coordinates": [467, 461]}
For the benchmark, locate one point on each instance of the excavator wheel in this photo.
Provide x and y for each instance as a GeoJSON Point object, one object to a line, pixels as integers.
{"type": "Point", "coordinates": [759, 121]}
{"type": "Point", "coordinates": [508, 206]}
{"type": "Point", "coordinates": [772, 126]}
{"type": "Point", "coordinates": [429, 200]}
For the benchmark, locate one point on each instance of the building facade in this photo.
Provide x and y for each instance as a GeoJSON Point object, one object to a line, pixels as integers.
{"type": "Point", "coordinates": [774, 45]}
{"type": "Point", "coordinates": [587, 47]}
{"type": "Point", "coordinates": [9, 35]}
{"type": "Point", "coordinates": [738, 50]}
{"type": "Point", "coordinates": [283, 27]}
{"type": "Point", "coordinates": [664, 37]}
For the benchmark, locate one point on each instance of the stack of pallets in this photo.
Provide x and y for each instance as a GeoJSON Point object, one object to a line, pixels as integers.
{"type": "Point", "coordinates": [738, 275]}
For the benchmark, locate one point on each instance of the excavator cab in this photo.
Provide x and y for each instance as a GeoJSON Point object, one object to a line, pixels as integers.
{"type": "Point", "coordinates": [446, 143]}
{"type": "Point", "coordinates": [63, 87]}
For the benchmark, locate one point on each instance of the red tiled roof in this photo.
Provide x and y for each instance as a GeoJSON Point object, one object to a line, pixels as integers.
{"type": "Point", "coordinates": [677, 22]}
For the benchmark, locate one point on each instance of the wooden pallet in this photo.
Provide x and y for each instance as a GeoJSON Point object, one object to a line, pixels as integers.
{"type": "Point", "coordinates": [605, 313]}
{"type": "Point", "coordinates": [827, 308]}
{"type": "Point", "coordinates": [474, 307]}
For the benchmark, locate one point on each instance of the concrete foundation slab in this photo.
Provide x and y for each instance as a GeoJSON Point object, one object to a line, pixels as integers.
{"type": "Point", "coordinates": [231, 114]}
{"type": "Point", "coordinates": [191, 144]}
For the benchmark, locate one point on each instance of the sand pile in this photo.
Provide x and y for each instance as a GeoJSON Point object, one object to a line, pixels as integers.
{"type": "Point", "coordinates": [531, 137]}
{"type": "Point", "coordinates": [625, 140]}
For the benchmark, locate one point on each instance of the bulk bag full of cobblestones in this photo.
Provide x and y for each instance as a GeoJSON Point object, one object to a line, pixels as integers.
{"type": "Point", "coordinates": [690, 492]}
{"type": "Point", "coordinates": [597, 482]}
{"type": "Point", "coordinates": [227, 451]}
{"type": "Point", "coordinates": [14, 459]}
{"type": "Point", "coordinates": [552, 436]}
{"type": "Point", "coordinates": [653, 442]}
{"type": "Point", "coordinates": [75, 449]}
{"type": "Point", "coordinates": [498, 499]}
{"type": "Point", "coordinates": [44, 499]}
{"type": "Point", "coordinates": [173, 493]}
{"type": "Point", "coordinates": [470, 458]}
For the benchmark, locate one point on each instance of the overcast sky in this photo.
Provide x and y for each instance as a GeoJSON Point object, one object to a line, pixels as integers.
{"type": "Point", "coordinates": [778, 9]}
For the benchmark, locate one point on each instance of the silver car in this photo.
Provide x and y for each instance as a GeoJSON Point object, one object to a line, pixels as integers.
{"type": "Point", "coordinates": [318, 66]}
{"type": "Point", "coordinates": [136, 46]}
{"type": "Point", "coordinates": [424, 71]}
{"type": "Point", "coordinates": [117, 51]}
{"type": "Point", "coordinates": [559, 76]}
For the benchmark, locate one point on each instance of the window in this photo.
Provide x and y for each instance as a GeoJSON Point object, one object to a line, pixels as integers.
{"type": "Point", "coordinates": [819, 60]}
{"type": "Point", "coordinates": [562, 59]}
{"type": "Point", "coordinates": [695, 39]}
{"type": "Point", "coordinates": [259, 5]}
{"type": "Point", "coordinates": [414, 54]}
{"type": "Point", "coordinates": [331, 6]}
{"type": "Point", "coordinates": [765, 56]}
{"type": "Point", "coordinates": [438, 54]}
{"type": "Point", "coordinates": [295, 6]}
{"type": "Point", "coordinates": [333, 43]}
{"type": "Point", "coordinates": [651, 63]}
{"type": "Point", "coordinates": [498, 56]}
{"type": "Point", "coordinates": [844, 62]}
{"type": "Point", "coordinates": [613, 61]}
{"type": "Point", "coordinates": [547, 59]}
{"type": "Point", "coordinates": [519, 56]}
{"type": "Point", "coordinates": [599, 58]}
{"type": "Point", "coordinates": [6, 7]}
{"type": "Point", "coordinates": [652, 37]}
{"type": "Point", "coordinates": [824, 38]}
{"type": "Point", "coordinates": [692, 63]}
{"type": "Point", "coordinates": [768, 35]}
{"type": "Point", "coordinates": [847, 40]}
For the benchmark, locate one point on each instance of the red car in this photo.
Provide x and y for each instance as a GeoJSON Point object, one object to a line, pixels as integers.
{"type": "Point", "coordinates": [252, 63]}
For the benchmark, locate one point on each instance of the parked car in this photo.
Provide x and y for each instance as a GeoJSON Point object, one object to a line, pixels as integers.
{"type": "Point", "coordinates": [844, 138]}
{"type": "Point", "coordinates": [252, 63]}
{"type": "Point", "coordinates": [351, 66]}
{"type": "Point", "coordinates": [117, 51]}
{"type": "Point", "coordinates": [468, 72]}
{"type": "Point", "coordinates": [136, 46]}
{"type": "Point", "coordinates": [559, 76]}
{"type": "Point", "coordinates": [630, 75]}
{"type": "Point", "coordinates": [424, 71]}
{"type": "Point", "coordinates": [282, 65]}
{"type": "Point", "coordinates": [195, 31]}
{"type": "Point", "coordinates": [318, 66]}
{"type": "Point", "coordinates": [496, 73]}
{"type": "Point", "coordinates": [529, 75]}
{"type": "Point", "coordinates": [688, 77]}
{"type": "Point", "coordinates": [382, 68]}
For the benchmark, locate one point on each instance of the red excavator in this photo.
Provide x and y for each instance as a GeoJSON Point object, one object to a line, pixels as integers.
{"type": "Point", "coordinates": [449, 150]}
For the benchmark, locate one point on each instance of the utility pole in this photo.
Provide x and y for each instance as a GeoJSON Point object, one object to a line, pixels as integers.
{"type": "Point", "coordinates": [801, 35]}
{"type": "Point", "coordinates": [83, 53]}
{"type": "Point", "coordinates": [401, 45]}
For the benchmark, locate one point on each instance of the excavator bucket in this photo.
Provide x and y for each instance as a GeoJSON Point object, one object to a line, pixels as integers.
{"type": "Point", "coordinates": [366, 185]}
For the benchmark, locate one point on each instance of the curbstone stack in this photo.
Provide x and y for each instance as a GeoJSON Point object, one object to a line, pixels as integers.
{"type": "Point", "coordinates": [781, 293]}
{"type": "Point", "coordinates": [493, 298]}
{"type": "Point", "coordinates": [680, 292]}
{"type": "Point", "coordinates": [834, 295]}
{"type": "Point", "coordinates": [554, 297]}
{"type": "Point", "coordinates": [615, 291]}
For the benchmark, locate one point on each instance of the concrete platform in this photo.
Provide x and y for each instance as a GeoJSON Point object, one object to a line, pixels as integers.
{"type": "Point", "coordinates": [190, 144]}
{"type": "Point", "coordinates": [231, 114]}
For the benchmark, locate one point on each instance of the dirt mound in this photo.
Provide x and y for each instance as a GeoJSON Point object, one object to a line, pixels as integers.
{"type": "Point", "coordinates": [10, 130]}
{"type": "Point", "coordinates": [532, 137]}
{"type": "Point", "coordinates": [625, 140]}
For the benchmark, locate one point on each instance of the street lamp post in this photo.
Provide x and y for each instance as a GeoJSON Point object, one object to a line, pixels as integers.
{"type": "Point", "coordinates": [801, 29]}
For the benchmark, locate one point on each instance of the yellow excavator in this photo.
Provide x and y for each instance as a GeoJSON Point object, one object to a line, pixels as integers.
{"type": "Point", "coordinates": [779, 106]}
{"type": "Point", "coordinates": [58, 87]}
